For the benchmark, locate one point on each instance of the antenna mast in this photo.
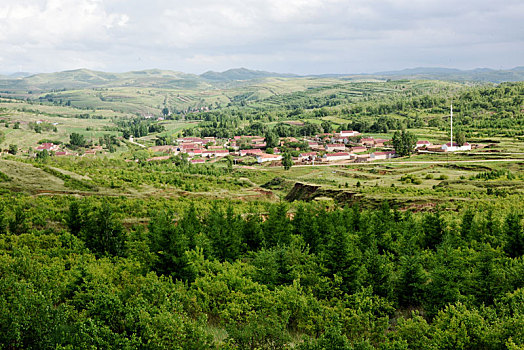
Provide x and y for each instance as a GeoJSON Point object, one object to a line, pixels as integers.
{"type": "Point", "coordinates": [451, 110]}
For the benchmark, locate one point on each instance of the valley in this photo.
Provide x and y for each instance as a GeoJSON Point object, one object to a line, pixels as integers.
{"type": "Point", "coordinates": [249, 210]}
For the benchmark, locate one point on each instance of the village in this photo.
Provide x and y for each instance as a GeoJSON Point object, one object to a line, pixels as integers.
{"type": "Point", "coordinates": [342, 147]}
{"type": "Point", "coordinates": [345, 146]}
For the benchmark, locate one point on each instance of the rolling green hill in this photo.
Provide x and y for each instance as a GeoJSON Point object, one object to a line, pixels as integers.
{"type": "Point", "coordinates": [166, 79]}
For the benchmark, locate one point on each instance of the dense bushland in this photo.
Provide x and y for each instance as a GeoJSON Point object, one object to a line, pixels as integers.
{"type": "Point", "coordinates": [75, 274]}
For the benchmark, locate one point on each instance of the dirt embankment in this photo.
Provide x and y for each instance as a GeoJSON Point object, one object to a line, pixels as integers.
{"type": "Point", "coordinates": [305, 192]}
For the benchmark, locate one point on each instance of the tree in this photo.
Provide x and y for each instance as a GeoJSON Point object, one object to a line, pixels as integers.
{"type": "Point", "coordinates": [229, 162]}
{"type": "Point", "coordinates": [286, 161]}
{"type": "Point", "coordinates": [141, 156]}
{"type": "Point", "coordinates": [74, 218]}
{"type": "Point", "coordinates": [168, 243]}
{"type": "Point", "coordinates": [42, 156]}
{"type": "Point", "coordinates": [165, 111]}
{"type": "Point", "coordinates": [18, 224]}
{"type": "Point", "coordinates": [277, 229]}
{"type": "Point", "coordinates": [404, 143]}
{"type": "Point", "coordinates": [411, 281]}
{"type": "Point", "coordinates": [13, 149]}
{"type": "Point", "coordinates": [514, 235]}
{"type": "Point", "coordinates": [103, 233]}
{"type": "Point", "coordinates": [77, 140]}
{"type": "Point", "coordinates": [460, 138]}
{"type": "Point", "coordinates": [271, 139]}
{"type": "Point", "coordinates": [326, 126]}
{"type": "Point", "coordinates": [433, 229]}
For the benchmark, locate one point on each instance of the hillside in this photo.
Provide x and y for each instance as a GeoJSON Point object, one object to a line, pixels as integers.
{"type": "Point", "coordinates": [241, 74]}
{"type": "Point", "coordinates": [87, 79]}
{"type": "Point", "coordinates": [165, 79]}
{"type": "Point", "coordinates": [474, 75]}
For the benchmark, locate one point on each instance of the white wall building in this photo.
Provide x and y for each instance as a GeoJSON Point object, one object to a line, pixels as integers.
{"type": "Point", "coordinates": [448, 147]}
{"type": "Point", "coordinates": [349, 133]}
{"type": "Point", "coordinates": [268, 158]}
{"type": "Point", "coordinates": [337, 156]}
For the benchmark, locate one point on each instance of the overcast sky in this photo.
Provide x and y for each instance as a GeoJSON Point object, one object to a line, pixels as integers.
{"type": "Point", "coordinates": [286, 36]}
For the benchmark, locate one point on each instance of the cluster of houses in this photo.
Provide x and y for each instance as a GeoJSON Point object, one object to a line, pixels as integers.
{"type": "Point", "coordinates": [329, 147]}
{"type": "Point", "coordinates": [345, 146]}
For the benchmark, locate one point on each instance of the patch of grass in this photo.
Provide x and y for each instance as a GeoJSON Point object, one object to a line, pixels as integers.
{"type": "Point", "coordinates": [68, 180]}
{"type": "Point", "coordinates": [4, 177]}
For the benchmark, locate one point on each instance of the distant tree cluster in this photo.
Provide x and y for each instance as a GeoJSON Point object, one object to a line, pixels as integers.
{"type": "Point", "coordinates": [139, 127]}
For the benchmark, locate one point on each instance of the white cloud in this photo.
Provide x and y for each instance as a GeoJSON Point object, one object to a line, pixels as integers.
{"type": "Point", "coordinates": [53, 22]}
{"type": "Point", "coordinates": [294, 35]}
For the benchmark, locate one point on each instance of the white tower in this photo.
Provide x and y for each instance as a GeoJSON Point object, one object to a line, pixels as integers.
{"type": "Point", "coordinates": [451, 110]}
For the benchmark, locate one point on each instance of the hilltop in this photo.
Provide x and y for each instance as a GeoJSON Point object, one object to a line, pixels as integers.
{"type": "Point", "coordinates": [167, 79]}
{"type": "Point", "coordinates": [242, 74]}
{"type": "Point", "coordinates": [477, 74]}
{"type": "Point", "coordinates": [85, 78]}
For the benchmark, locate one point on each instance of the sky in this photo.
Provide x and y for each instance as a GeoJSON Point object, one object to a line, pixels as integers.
{"type": "Point", "coordinates": [285, 36]}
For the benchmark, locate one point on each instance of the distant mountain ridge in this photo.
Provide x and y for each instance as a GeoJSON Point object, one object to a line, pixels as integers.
{"type": "Point", "coordinates": [86, 78]}
{"type": "Point", "coordinates": [242, 74]}
{"type": "Point", "coordinates": [477, 74]}
{"type": "Point", "coordinates": [157, 78]}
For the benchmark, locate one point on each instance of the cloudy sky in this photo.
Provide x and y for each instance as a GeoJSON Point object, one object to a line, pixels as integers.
{"type": "Point", "coordinates": [294, 36]}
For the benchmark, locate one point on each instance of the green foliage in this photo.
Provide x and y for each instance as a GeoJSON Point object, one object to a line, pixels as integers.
{"type": "Point", "coordinates": [56, 142]}
{"type": "Point", "coordinates": [68, 180]}
{"type": "Point", "coordinates": [168, 243]}
{"type": "Point", "coordinates": [514, 230]}
{"type": "Point", "coordinates": [101, 231]}
{"type": "Point", "coordinates": [153, 261]}
{"type": "Point", "coordinates": [4, 177]}
{"type": "Point", "coordinates": [404, 143]}
{"type": "Point", "coordinates": [77, 140]}
{"type": "Point", "coordinates": [42, 156]}
{"type": "Point", "coordinates": [18, 222]}
{"type": "Point", "coordinates": [340, 278]}
{"type": "Point", "coordinates": [13, 149]}
{"type": "Point", "coordinates": [287, 162]}
{"type": "Point", "coordinates": [410, 178]}
{"type": "Point", "coordinates": [272, 139]}
{"type": "Point", "coordinates": [138, 127]}
{"type": "Point", "coordinates": [460, 137]}
{"type": "Point", "coordinates": [493, 175]}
